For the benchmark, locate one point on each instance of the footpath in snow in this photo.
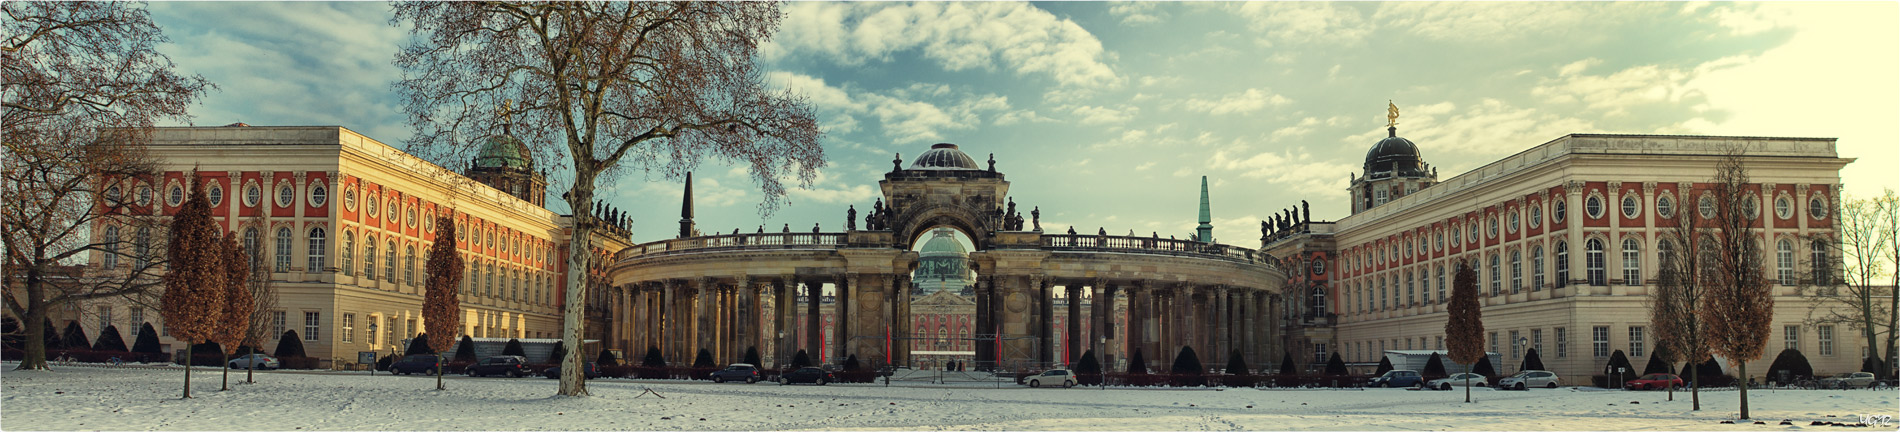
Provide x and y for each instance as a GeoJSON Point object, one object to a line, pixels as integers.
{"type": "Point", "coordinates": [134, 398]}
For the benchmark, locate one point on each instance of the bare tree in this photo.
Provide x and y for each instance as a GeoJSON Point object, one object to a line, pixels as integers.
{"type": "Point", "coordinates": [1739, 305]}
{"type": "Point", "coordinates": [192, 304]}
{"type": "Point", "coordinates": [82, 84]}
{"type": "Point", "coordinates": [235, 320]}
{"type": "Point", "coordinates": [263, 300]}
{"type": "Point", "coordinates": [611, 86]}
{"type": "Point", "coordinates": [441, 310]}
{"type": "Point", "coordinates": [1859, 301]}
{"type": "Point", "coordinates": [1673, 305]}
{"type": "Point", "coordinates": [1464, 325]}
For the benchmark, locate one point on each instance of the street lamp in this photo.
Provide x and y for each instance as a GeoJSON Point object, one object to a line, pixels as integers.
{"type": "Point", "coordinates": [372, 333]}
{"type": "Point", "coordinates": [1523, 348]}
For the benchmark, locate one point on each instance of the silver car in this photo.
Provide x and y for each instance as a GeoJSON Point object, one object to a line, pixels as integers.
{"type": "Point", "coordinates": [1527, 379]}
{"type": "Point", "coordinates": [263, 362]}
{"type": "Point", "coordinates": [1847, 380]}
{"type": "Point", "coordinates": [1447, 383]}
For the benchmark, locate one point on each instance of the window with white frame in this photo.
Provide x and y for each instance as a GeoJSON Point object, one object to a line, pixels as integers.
{"type": "Point", "coordinates": [1440, 343]}
{"type": "Point", "coordinates": [1593, 262]}
{"type": "Point", "coordinates": [1411, 294]}
{"type": "Point", "coordinates": [409, 265]}
{"type": "Point", "coordinates": [1784, 262]}
{"type": "Point", "coordinates": [105, 318]}
{"type": "Point", "coordinates": [1441, 283]}
{"type": "Point", "coordinates": [141, 248]}
{"type": "Point", "coordinates": [1791, 337]}
{"type": "Point", "coordinates": [1496, 273]}
{"type": "Point", "coordinates": [1632, 262]}
{"type": "Point", "coordinates": [278, 323]}
{"type": "Point", "coordinates": [1319, 353]}
{"type": "Point", "coordinates": [317, 247]}
{"type": "Point", "coordinates": [1517, 271]}
{"type": "Point", "coordinates": [283, 249]}
{"type": "Point", "coordinates": [137, 314]}
{"type": "Point", "coordinates": [1537, 268]}
{"type": "Point", "coordinates": [1636, 341]}
{"type": "Point", "coordinates": [1516, 348]}
{"type": "Point", "coordinates": [312, 325]}
{"type": "Point", "coordinates": [1631, 207]}
{"type": "Point", "coordinates": [369, 258]}
{"type": "Point", "coordinates": [1822, 266]}
{"type": "Point", "coordinates": [1384, 302]}
{"type": "Point", "coordinates": [1425, 285]}
{"type": "Point", "coordinates": [389, 261]}
{"type": "Point", "coordinates": [1563, 343]}
{"type": "Point", "coordinates": [1600, 341]}
{"type": "Point", "coordinates": [349, 254]}
{"type": "Point", "coordinates": [1824, 336]}
{"type": "Point", "coordinates": [349, 328]}
{"type": "Point", "coordinates": [1494, 342]}
{"type": "Point", "coordinates": [111, 255]}
{"type": "Point", "coordinates": [1537, 340]}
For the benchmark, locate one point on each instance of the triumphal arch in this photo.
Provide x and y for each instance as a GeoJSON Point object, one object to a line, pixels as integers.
{"type": "Point", "coordinates": [726, 293]}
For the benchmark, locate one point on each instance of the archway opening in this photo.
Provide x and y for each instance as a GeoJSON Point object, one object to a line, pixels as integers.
{"type": "Point", "coordinates": [942, 300]}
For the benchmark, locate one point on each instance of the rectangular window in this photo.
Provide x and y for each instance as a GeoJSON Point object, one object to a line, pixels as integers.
{"type": "Point", "coordinates": [1408, 343]}
{"type": "Point", "coordinates": [1563, 343]}
{"type": "Point", "coordinates": [138, 321]}
{"type": "Point", "coordinates": [389, 330]}
{"type": "Point", "coordinates": [105, 318]}
{"type": "Point", "coordinates": [374, 337]}
{"type": "Point", "coordinates": [1441, 284]}
{"type": "Point", "coordinates": [1425, 285]}
{"type": "Point", "coordinates": [1537, 269]}
{"type": "Point", "coordinates": [1636, 341]}
{"type": "Point", "coordinates": [1384, 302]}
{"type": "Point", "coordinates": [1411, 295]}
{"type": "Point", "coordinates": [312, 324]}
{"type": "Point", "coordinates": [1791, 337]}
{"type": "Point", "coordinates": [409, 327]}
{"type": "Point", "coordinates": [1319, 353]}
{"type": "Point", "coordinates": [278, 321]}
{"type": "Point", "coordinates": [1494, 342]}
{"type": "Point", "coordinates": [1537, 340]}
{"type": "Point", "coordinates": [1600, 341]}
{"type": "Point", "coordinates": [163, 330]}
{"type": "Point", "coordinates": [1824, 335]}
{"type": "Point", "coordinates": [349, 328]}
{"type": "Point", "coordinates": [1496, 285]}
{"type": "Point", "coordinates": [1516, 348]}
{"type": "Point", "coordinates": [1517, 272]}
{"type": "Point", "coordinates": [1441, 343]}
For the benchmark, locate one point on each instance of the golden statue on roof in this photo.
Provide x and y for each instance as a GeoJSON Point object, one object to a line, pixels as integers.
{"type": "Point", "coordinates": [1391, 114]}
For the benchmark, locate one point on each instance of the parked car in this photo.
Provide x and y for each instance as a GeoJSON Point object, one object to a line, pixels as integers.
{"type": "Point", "coordinates": [1847, 380]}
{"type": "Point", "coordinates": [806, 375]}
{"type": "Point", "coordinates": [415, 364]}
{"type": "Point", "coordinates": [1397, 378]}
{"type": "Point", "coordinates": [510, 366]}
{"type": "Point", "coordinates": [1654, 382]}
{"type": "Point", "coordinates": [592, 371]}
{"type": "Point", "coordinates": [1527, 379]}
{"type": "Point", "coordinates": [737, 372]}
{"type": "Point", "coordinates": [263, 361]}
{"type": "Point", "coordinates": [1458, 379]}
{"type": "Point", "coordinates": [1061, 377]}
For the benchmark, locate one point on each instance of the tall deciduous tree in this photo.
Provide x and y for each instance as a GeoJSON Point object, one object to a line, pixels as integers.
{"type": "Point", "coordinates": [613, 87]}
{"type": "Point", "coordinates": [81, 84]}
{"type": "Point", "coordinates": [194, 288]}
{"type": "Point", "coordinates": [1464, 325]}
{"type": "Point", "coordinates": [1674, 306]}
{"type": "Point", "coordinates": [1868, 250]}
{"type": "Point", "coordinates": [236, 322]}
{"type": "Point", "coordinates": [441, 307]}
{"type": "Point", "coordinates": [1739, 305]}
{"type": "Point", "coordinates": [263, 299]}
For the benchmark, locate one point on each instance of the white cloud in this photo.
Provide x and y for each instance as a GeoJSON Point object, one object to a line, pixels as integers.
{"type": "Point", "coordinates": [1137, 13]}
{"type": "Point", "coordinates": [1458, 138]}
{"type": "Point", "coordinates": [1490, 22]}
{"type": "Point", "coordinates": [1617, 93]}
{"type": "Point", "coordinates": [1103, 115]}
{"type": "Point", "coordinates": [1294, 170]}
{"type": "Point", "coordinates": [1243, 103]}
{"type": "Point", "coordinates": [1304, 22]}
{"type": "Point", "coordinates": [1305, 126]}
{"type": "Point", "coordinates": [958, 36]}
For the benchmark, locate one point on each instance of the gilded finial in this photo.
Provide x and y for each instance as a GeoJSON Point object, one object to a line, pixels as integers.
{"type": "Point", "coordinates": [1391, 114]}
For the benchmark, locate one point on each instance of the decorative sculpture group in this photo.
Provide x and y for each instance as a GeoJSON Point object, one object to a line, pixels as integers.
{"type": "Point", "coordinates": [1286, 220]}
{"type": "Point", "coordinates": [878, 220]}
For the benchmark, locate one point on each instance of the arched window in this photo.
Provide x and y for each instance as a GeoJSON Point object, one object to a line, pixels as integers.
{"type": "Point", "coordinates": [1441, 284]}
{"type": "Point", "coordinates": [1632, 262]}
{"type": "Point", "coordinates": [389, 262]}
{"type": "Point", "coordinates": [369, 258]}
{"type": "Point", "coordinates": [250, 246]}
{"type": "Point", "coordinates": [488, 282]}
{"type": "Point", "coordinates": [1384, 302]}
{"type": "Point", "coordinates": [1517, 271]}
{"type": "Point", "coordinates": [514, 286]}
{"type": "Point", "coordinates": [141, 248]}
{"type": "Point", "coordinates": [349, 254]}
{"type": "Point", "coordinates": [283, 249]}
{"type": "Point", "coordinates": [1563, 263]}
{"type": "Point", "coordinates": [1537, 268]}
{"type": "Point", "coordinates": [1823, 268]}
{"type": "Point", "coordinates": [1593, 262]}
{"type": "Point", "coordinates": [1784, 262]}
{"type": "Point", "coordinates": [111, 258]}
{"type": "Point", "coordinates": [1497, 274]}
{"type": "Point", "coordinates": [1411, 293]}
{"type": "Point", "coordinates": [317, 246]}
{"type": "Point", "coordinates": [409, 265]}
{"type": "Point", "coordinates": [1425, 285]}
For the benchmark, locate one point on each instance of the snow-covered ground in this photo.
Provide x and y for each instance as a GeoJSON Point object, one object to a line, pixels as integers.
{"type": "Point", "coordinates": [130, 398]}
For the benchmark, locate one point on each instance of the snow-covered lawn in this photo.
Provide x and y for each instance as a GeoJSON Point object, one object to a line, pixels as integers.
{"type": "Point", "coordinates": [70, 398]}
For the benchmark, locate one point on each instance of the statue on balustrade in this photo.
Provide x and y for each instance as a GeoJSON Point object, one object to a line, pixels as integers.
{"type": "Point", "coordinates": [992, 162]}
{"type": "Point", "coordinates": [1264, 230]}
{"type": "Point", "coordinates": [1306, 212]}
{"type": "Point", "coordinates": [788, 229]}
{"type": "Point", "coordinates": [897, 162]}
{"type": "Point", "coordinates": [851, 219]}
{"type": "Point", "coordinates": [1035, 216]}
{"type": "Point", "coordinates": [814, 227]}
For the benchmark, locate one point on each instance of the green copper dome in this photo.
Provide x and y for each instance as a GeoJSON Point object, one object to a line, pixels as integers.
{"type": "Point", "coordinates": [942, 258]}
{"type": "Point", "coordinates": [503, 151]}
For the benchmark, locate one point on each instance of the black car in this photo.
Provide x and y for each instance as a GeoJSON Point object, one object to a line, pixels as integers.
{"type": "Point", "coordinates": [806, 375]}
{"type": "Point", "coordinates": [510, 366]}
{"type": "Point", "coordinates": [415, 364]}
{"type": "Point", "coordinates": [593, 371]}
{"type": "Point", "coordinates": [737, 372]}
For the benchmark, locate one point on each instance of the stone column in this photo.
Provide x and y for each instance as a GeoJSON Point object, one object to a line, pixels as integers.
{"type": "Point", "coordinates": [1100, 305]}
{"type": "Point", "coordinates": [984, 327]}
{"type": "Point", "coordinates": [704, 316]}
{"type": "Point", "coordinates": [1045, 319]}
{"type": "Point", "coordinates": [747, 314]}
{"type": "Point", "coordinates": [1073, 344]}
{"type": "Point", "coordinates": [814, 322]}
{"type": "Point", "coordinates": [1224, 323]}
{"type": "Point", "coordinates": [841, 318]}
{"type": "Point", "coordinates": [1573, 224]}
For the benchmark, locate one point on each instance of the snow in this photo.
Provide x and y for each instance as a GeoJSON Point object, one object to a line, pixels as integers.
{"type": "Point", "coordinates": [146, 398]}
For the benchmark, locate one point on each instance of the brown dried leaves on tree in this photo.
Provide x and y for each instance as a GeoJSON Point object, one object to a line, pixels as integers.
{"type": "Point", "coordinates": [441, 310]}
{"type": "Point", "coordinates": [1738, 304]}
{"type": "Point", "coordinates": [1464, 326]}
{"type": "Point", "coordinates": [193, 303]}
{"type": "Point", "coordinates": [236, 320]}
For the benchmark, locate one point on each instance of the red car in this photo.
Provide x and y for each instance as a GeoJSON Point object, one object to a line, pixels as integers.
{"type": "Point", "coordinates": [1654, 381]}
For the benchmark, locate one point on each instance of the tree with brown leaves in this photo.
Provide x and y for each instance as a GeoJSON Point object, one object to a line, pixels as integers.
{"type": "Point", "coordinates": [236, 321]}
{"type": "Point", "coordinates": [81, 84]}
{"type": "Point", "coordinates": [1868, 249]}
{"type": "Point", "coordinates": [1739, 305]}
{"type": "Point", "coordinates": [193, 303]}
{"type": "Point", "coordinates": [613, 87]}
{"type": "Point", "coordinates": [441, 309]}
{"type": "Point", "coordinates": [1464, 325]}
{"type": "Point", "coordinates": [1674, 304]}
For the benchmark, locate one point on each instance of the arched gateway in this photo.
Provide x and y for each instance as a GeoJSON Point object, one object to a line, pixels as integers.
{"type": "Point", "coordinates": [710, 291]}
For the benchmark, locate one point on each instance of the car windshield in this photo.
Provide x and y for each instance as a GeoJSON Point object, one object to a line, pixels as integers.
{"type": "Point", "coordinates": [1521, 374]}
{"type": "Point", "coordinates": [496, 361]}
{"type": "Point", "coordinates": [1655, 377]}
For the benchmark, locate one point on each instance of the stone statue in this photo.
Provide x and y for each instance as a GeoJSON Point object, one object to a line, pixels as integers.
{"type": "Point", "coordinates": [788, 229]}
{"type": "Point", "coordinates": [851, 219]}
{"type": "Point", "coordinates": [1306, 212]}
{"type": "Point", "coordinates": [814, 227]}
{"type": "Point", "coordinates": [1264, 229]}
{"type": "Point", "coordinates": [1101, 231]}
{"type": "Point", "coordinates": [992, 162]}
{"type": "Point", "coordinates": [1012, 207]}
{"type": "Point", "coordinates": [1035, 216]}
{"type": "Point", "coordinates": [1071, 229]}
{"type": "Point", "coordinates": [897, 162]}
{"type": "Point", "coordinates": [761, 229]}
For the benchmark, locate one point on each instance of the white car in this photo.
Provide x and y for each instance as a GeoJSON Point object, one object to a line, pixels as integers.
{"type": "Point", "coordinates": [1054, 377]}
{"type": "Point", "coordinates": [1447, 383]}
{"type": "Point", "coordinates": [1527, 379]}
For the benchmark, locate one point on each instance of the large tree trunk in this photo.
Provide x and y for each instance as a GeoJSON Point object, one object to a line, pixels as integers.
{"type": "Point", "coordinates": [35, 358]}
{"type": "Point", "coordinates": [1742, 384]}
{"type": "Point", "coordinates": [1695, 388]}
{"type": "Point", "coordinates": [579, 252]}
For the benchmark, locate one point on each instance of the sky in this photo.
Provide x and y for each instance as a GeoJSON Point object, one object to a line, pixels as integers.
{"type": "Point", "coordinates": [1108, 114]}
